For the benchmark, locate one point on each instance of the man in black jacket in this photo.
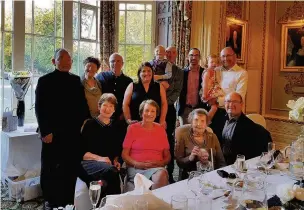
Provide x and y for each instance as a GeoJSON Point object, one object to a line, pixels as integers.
{"type": "Point", "coordinates": [189, 98]}
{"type": "Point", "coordinates": [241, 135]}
{"type": "Point", "coordinates": [61, 108]}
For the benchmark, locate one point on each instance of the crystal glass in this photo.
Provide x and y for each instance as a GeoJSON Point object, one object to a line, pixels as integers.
{"type": "Point", "coordinates": [203, 202]}
{"type": "Point", "coordinates": [267, 161]}
{"type": "Point", "coordinates": [240, 163]}
{"type": "Point", "coordinates": [94, 193]}
{"type": "Point", "coordinates": [254, 195]}
{"type": "Point", "coordinates": [179, 202]}
{"type": "Point", "coordinates": [194, 182]}
{"type": "Point", "coordinates": [271, 147]}
{"type": "Point", "coordinates": [206, 186]}
{"type": "Point", "coordinates": [141, 205]}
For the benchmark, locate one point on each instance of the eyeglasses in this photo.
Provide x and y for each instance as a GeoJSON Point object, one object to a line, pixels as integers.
{"type": "Point", "coordinates": [227, 56]}
{"type": "Point", "coordinates": [233, 102]}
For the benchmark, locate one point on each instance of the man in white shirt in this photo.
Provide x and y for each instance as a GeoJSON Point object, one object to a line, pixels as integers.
{"type": "Point", "coordinates": [232, 77]}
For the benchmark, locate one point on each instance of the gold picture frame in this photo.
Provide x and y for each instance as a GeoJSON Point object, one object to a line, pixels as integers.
{"type": "Point", "coordinates": [292, 47]}
{"type": "Point", "coordinates": [236, 38]}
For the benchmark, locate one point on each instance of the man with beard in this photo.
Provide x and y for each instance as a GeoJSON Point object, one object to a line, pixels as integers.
{"type": "Point", "coordinates": [240, 134]}
{"type": "Point", "coordinates": [189, 98]}
{"type": "Point", "coordinates": [61, 108]}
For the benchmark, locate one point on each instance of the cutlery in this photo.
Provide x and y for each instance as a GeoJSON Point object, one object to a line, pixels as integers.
{"type": "Point", "coordinates": [226, 194]}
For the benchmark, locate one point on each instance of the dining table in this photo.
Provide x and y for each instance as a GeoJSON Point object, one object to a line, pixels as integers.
{"type": "Point", "coordinates": [273, 179]}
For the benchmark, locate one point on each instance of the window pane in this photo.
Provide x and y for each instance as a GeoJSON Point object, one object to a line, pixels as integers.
{"type": "Point", "coordinates": [98, 25]}
{"type": "Point", "coordinates": [58, 43]}
{"type": "Point", "coordinates": [91, 2]}
{"type": "Point", "coordinates": [88, 24]}
{"type": "Point", "coordinates": [121, 50]}
{"type": "Point", "coordinates": [97, 54]}
{"type": "Point", "coordinates": [148, 27]}
{"type": "Point", "coordinates": [135, 7]}
{"type": "Point", "coordinates": [59, 18]}
{"type": "Point", "coordinates": [8, 19]}
{"type": "Point", "coordinates": [28, 53]}
{"type": "Point", "coordinates": [75, 20]}
{"type": "Point", "coordinates": [122, 6]}
{"type": "Point", "coordinates": [122, 27]}
{"type": "Point", "coordinates": [28, 16]}
{"type": "Point", "coordinates": [135, 27]}
{"type": "Point", "coordinates": [44, 17]}
{"type": "Point", "coordinates": [86, 49]}
{"type": "Point", "coordinates": [75, 57]}
{"type": "Point", "coordinates": [134, 57]}
{"type": "Point", "coordinates": [148, 7]}
{"type": "Point", "coordinates": [148, 53]}
{"type": "Point", "coordinates": [8, 52]}
{"type": "Point", "coordinates": [7, 97]}
{"type": "Point", "coordinates": [43, 54]}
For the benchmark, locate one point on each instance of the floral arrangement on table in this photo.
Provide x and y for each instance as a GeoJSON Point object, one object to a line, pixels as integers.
{"type": "Point", "coordinates": [297, 109]}
{"type": "Point", "coordinates": [291, 195]}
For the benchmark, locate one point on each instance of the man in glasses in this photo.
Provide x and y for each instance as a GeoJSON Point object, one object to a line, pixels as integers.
{"type": "Point", "coordinates": [240, 134]}
{"type": "Point", "coordinates": [189, 98]}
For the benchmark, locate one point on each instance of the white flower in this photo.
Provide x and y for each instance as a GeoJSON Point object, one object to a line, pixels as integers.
{"type": "Point", "coordinates": [297, 109]}
{"type": "Point", "coordinates": [285, 192]}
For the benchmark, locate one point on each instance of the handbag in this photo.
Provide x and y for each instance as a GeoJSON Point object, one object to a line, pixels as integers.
{"type": "Point", "coordinates": [9, 121]}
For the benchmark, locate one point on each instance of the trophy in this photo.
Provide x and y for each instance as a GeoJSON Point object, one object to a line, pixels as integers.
{"type": "Point", "coordinates": [20, 82]}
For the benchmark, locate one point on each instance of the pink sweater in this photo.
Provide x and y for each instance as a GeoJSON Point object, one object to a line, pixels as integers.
{"type": "Point", "coordinates": [144, 144]}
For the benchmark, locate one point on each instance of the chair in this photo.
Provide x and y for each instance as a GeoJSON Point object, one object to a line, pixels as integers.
{"type": "Point", "coordinates": [258, 119]}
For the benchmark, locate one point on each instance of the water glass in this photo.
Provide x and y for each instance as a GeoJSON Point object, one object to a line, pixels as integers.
{"type": "Point", "coordinates": [194, 182]}
{"type": "Point", "coordinates": [203, 203]}
{"type": "Point", "coordinates": [141, 205]}
{"type": "Point", "coordinates": [206, 185]}
{"type": "Point", "coordinates": [179, 202]}
{"type": "Point", "coordinates": [240, 163]}
{"type": "Point", "coordinates": [94, 193]}
{"type": "Point", "coordinates": [266, 160]}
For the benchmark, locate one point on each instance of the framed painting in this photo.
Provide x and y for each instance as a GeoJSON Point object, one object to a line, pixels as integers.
{"type": "Point", "coordinates": [236, 37]}
{"type": "Point", "coordinates": [292, 47]}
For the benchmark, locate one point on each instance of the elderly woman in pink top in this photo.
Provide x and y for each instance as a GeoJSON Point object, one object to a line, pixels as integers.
{"type": "Point", "coordinates": [146, 147]}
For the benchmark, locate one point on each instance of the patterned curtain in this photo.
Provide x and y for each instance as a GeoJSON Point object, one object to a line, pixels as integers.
{"type": "Point", "coordinates": [181, 29]}
{"type": "Point", "coordinates": [107, 32]}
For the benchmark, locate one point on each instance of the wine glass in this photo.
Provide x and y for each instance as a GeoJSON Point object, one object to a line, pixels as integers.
{"type": "Point", "coordinates": [267, 161]}
{"type": "Point", "coordinates": [206, 186]}
{"type": "Point", "coordinates": [193, 182]}
{"type": "Point", "coordinates": [94, 192]}
{"type": "Point", "coordinates": [204, 167]}
{"type": "Point", "coordinates": [271, 147]}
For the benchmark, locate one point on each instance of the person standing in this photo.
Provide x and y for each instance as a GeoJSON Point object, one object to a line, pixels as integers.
{"type": "Point", "coordinates": [61, 108]}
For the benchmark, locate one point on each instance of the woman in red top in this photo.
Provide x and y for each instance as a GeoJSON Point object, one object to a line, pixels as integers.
{"type": "Point", "coordinates": [146, 147]}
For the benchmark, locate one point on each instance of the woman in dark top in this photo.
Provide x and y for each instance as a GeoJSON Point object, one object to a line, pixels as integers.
{"type": "Point", "coordinates": [102, 147]}
{"type": "Point", "coordinates": [143, 90]}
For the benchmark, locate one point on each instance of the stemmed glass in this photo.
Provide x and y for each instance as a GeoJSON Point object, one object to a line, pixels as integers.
{"type": "Point", "coordinates": [194, 182]}
{"type": "Point", "coordinates": [271, 147]}
{"type": "Point", "coordinates": [94, 192]}
{"type": "Point", "coordinates": [206, 186]}
{"type": "Point", "coordinates": [267, 161]}
{"type": "Point", "coordinates": [204, 167]}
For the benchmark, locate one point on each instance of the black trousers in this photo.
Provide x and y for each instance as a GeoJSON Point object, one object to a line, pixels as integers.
{"type": "Point", "coordinates": [58, 180]}
{"type": "Point", "coordinates": [108, 174]}
{"type": "Point", "coordinates": [171, 123]}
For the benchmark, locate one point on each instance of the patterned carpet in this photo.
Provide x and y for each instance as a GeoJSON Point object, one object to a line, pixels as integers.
{"type": "Point", "coordinates": [36, 204]}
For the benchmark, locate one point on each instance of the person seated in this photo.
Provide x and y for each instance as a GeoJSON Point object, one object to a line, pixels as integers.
{"type": "Point", "coordinates": [162, 67]}
{"type": "Point", "coordinates": [146, 147]}
{"type": "Point", "coordinates": [194, 143]}
{"type": "Point", "coordinates": [240, 134]}
{"type": "Point", "coordinates": [99, 138]}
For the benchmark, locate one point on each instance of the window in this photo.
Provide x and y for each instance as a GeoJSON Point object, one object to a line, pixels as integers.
{"type": "Point", "coordinates": [43, 34]}
{"type": "Point", "coordinates": [6, 54]}
{"type": "Point", "coordinates": [135, 34]}
{"type": "Point", "coordinates": [85, 32]}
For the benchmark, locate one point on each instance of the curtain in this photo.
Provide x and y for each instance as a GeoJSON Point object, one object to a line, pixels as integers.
{"type": "Point", "coordinates": [181, 30]}
{"type": "Point", "coordinates": [107, 32]}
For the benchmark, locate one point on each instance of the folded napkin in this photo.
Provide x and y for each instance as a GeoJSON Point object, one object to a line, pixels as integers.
{"type": "Point", "coordinates": [141, 183]}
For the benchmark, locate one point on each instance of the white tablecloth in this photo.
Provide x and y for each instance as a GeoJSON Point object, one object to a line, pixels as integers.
{"type": "Point", "coordinates": [19, 149]}
{"type": "Point", "coordinates": [181, 187]}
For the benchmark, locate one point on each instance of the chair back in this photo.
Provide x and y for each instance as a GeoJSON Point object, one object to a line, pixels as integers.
{"type": "Point", "coordinates": [258, 119]}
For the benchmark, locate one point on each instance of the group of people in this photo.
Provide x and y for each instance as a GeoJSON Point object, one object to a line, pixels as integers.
{"type": "Point", "coordinates": [90, 125]}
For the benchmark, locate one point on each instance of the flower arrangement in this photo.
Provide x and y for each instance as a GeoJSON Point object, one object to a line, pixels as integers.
{"type": "Point", "coordinates": [297, 109]}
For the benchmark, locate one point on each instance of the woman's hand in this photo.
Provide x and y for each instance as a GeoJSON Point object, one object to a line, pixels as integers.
{"type": "Point", "coordinates": [116, 164]}
{"type": "Point", "coordinates": [105, 160]}
{"type": "Point", "coordinates": [194, 153]}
